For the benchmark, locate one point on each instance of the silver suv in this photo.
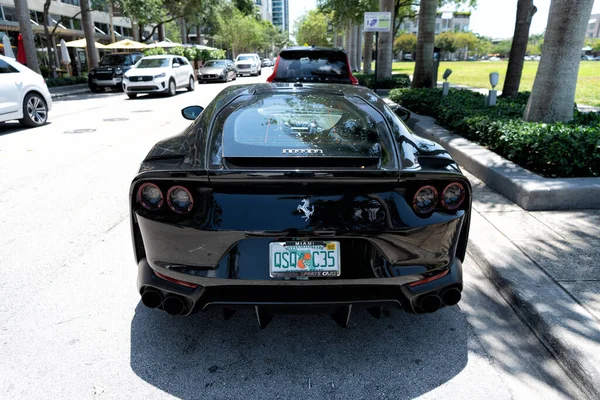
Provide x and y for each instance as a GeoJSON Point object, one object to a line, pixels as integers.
{"type": "Point", "coordinates": [248, 64]}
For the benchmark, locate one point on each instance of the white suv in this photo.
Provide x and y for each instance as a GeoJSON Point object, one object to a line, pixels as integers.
{"type": "Point", "coordinates": [248, 64]}
{"type": "Point", "coordinates": [159, 74]}
{"type": "Point", "coordinates": [23, 94]}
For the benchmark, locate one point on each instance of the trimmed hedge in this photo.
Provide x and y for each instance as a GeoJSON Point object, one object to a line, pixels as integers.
{"type": "Point", "coordinates": [396, 81]}
{"type": "Point", "coordinates": [554, 150]}
{"type": "Point", "coordinates": [65, 81]}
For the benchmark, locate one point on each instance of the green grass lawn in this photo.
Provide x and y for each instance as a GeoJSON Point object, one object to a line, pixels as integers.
{"type": "Point", "coordinates": [476, 74]}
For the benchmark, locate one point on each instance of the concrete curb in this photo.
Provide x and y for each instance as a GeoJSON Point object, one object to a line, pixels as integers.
{"type": "Point", "coordinates": [563, 326]}
{"type": "Point", "coordinates": [64, 91]}
{"type": "Point", "coordinates": [528, 190]}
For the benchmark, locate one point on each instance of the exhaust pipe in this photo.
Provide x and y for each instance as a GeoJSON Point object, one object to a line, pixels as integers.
{"type": "Point", "coordinates": [451, 296]}
{"type": "Point", "coordinates": [152, 298]}
{"type": "Point", "coordinates": [173, 305]}
{"type": "Point", "coordinates": [430, 303]}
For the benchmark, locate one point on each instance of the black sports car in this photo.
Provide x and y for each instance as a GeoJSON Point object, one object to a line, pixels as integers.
{"type": "Point", "coordinates": [291, 196]}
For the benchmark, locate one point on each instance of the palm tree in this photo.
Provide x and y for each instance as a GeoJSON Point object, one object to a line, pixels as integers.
{"type": "Point", "coordinates": [22, 9]}
{"type": "Point", "coordinates": [553, 93]}
{"type": "Point", "coordinates": [525, 12]}
{"type": "Point", "coordinates": [385, 44]}
{"type": "Point", "coordinates": [423, 75]}
{"type": "Point", "coordinates": [88, 30]}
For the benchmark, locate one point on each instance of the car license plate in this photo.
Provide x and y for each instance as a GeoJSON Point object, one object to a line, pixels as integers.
{"type": "Point", "coordinates": [304, 259]}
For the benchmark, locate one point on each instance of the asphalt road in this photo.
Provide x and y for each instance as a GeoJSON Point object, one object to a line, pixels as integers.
{"type": "Point", "coordinates": [72, 326]}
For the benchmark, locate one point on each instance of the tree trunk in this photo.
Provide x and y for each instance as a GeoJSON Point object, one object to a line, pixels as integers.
{"type": "Point", "coordinates": [198, 35]}
{"type": "Point", "coordinates": [423, 76]}
{"type": "Point", "coordinates": [368, 52]}
{"type": "Point", "coordinates": [22, 9]}
{"type": "Point", "coordinates": [359, 44]}
{"type": "Point", "coordinates": [49, 42]}
{"type": "Point", "coordinates": [525, 12]}
{"type": "Point", "coordinates": [161, 33]}
{"type": "Point", "coordinates": [183, 30]}
{"type": "Point", "coordinates": [87, 25]}
{"type": "Point", "coordinates": [350, 47]}
{"type": "Point", "coordinates": [385, 44]}
{"type": "Point", "coordinates": [134, 30]}
{"type": "Point", "coordinates": [553, 94]}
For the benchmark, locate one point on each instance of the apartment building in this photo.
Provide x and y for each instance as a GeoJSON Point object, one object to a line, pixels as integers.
{"type": "Point", "coordinates": [281, 15]}
{"type": "Point", "coordinates": [444, 22]}
{"type": "Point", "coordinates": [593, 30]}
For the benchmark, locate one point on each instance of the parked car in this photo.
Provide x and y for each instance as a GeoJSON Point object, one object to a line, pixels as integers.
{"type": "Point", "coordinates": [159, 74]}
{"type": "Point", "coordinates": [587, 58]}
{"type": "Point", "coordinates": [312, 64]}
{"type": "Point", "coordinates": [407, 57]}
{"type": "Point", "coordinates": [109, 73]}
{"type": "Point", "coordinates": [266, 62]}
{"type": "Point", "coordinates": [24, 95]}
{"type": "Point", "coordinates": [597, 58]}
{"type": "Point", "coordinates": [248, 64]}
{"type": "Point", "coordinates": [291, 196]}
{"type": "Point", "coordinates": [217, 70]}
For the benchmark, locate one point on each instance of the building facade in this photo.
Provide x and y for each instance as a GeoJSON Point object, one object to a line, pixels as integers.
{"type": "Point", "coordinates": [453, 21]}
{"type": "Point", "coordinates": [281, 15]}
{"type": "Point", "coordinates": [593, 30]}
{"type": "Point", "coordinates": [265, 8]}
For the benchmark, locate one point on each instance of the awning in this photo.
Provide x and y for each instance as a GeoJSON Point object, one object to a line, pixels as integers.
{"type": "Point", "coordinates": [126, 44]}
{"type": "Point", "coordinates": [82, 43]}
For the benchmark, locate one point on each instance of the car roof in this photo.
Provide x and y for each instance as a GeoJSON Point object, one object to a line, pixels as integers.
{"type": "Point", "coordinates": [163, 56]}
{"type": "Point", "coordinates": [313, 48]}
{"type": "Point", "coordinates": [298, 88]}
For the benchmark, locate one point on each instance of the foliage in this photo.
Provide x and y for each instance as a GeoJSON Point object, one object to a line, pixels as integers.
{"type": "Point", "coordinates": [65, 81]}
{"type": "Point", "coordinates": [311, 29]}
{"type": "Point", "coordinates": [159, 51]}
{"type": "Point", "coordinates": [191, 53]}
{"type": "Point", "coordinates": [447, 42]}
{"type": "Point", "coordinates": [554, 150]}
{"type": "Point", "coordinates": [502, 48]}
{"type": "Point", "coordinates": [176, 51]}
{"type": "Point", "coordinates": [396, 81]}
{"type": "Point", "coordinates": [406, 42]}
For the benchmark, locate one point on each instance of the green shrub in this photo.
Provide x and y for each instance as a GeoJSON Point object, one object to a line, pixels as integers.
{"type": "Point", "coordinates": [65, 81]}
{"type": "Point", "coordinates": [190, 53]}
{"type": "Point", "coordinates": [396, 81]}
{"type": "Point", "coordinates": [158, 51]}
{"type": "Point", "coordinates": [555, 150]}
{"type": "Point", "coordinates": [176, 51]}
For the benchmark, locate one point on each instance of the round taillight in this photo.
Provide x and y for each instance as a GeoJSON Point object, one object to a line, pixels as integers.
{"type": "Point", "coordinates": [180, 199]}
{"type": "Point", "coordinates": [150, 196]}
{"type": "Point", "coordinates": [425, 199]}
{"type": "Point", "coordinates": [453, 196]}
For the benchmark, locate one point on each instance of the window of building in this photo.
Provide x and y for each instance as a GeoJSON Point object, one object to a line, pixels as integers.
{"type": "Point", "coordinates": [10, 14]}
{"type": "Point", "coordinates": [437, 28]}
{"type": "Point", "coordinates": [76, 24]}
{"type": "Point", "coordinates": [72, 2]}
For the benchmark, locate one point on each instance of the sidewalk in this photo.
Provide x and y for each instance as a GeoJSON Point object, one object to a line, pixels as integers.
{"type": "Point", "coordinates": [69, 90]}
{"type": "Point", "coordinates": [546, 264]}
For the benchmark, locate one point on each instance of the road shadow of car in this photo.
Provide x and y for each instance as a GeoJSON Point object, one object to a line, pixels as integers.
{"type": "Point", "coordinates": [9, 127]}
{"type": "Point", "coordinates": [298, 356]}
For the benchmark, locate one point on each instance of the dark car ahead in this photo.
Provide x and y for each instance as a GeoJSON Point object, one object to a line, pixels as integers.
{"type": "Point", "coordinates": [217, 70]}
{"type": "Point", "coordinates": [109, 73]}
{"type": "Point", "coordinates": [287, 196]}
{"type": "Point", "coordinates": [314, 65]}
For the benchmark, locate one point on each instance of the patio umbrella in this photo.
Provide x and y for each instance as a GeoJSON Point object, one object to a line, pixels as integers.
{"type": "Point", "coordinates": [164, 44]}
{"type": "Point", "coordinates": [82, 43]}
{"type": "Point", "coordinates": [126, 44]}
{"type": "Point", "coordinates": [64, 53]}
{"type": "Point", "coordinates": [21, 50]}
{"type": "Point", "coordinates": [8, 52]}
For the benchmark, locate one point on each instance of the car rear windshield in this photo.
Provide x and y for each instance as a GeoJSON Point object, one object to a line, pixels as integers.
{"type": "Point", "coordinates": [243, 58]}
{"type": "Point", "coordinates": [300, 125]}
{"type": "Point", "coordinates": [312, 65]}
{"type": "Point", "coordinates": [153, 63]}
{"type": "Point", "coordinates": [115, 59]}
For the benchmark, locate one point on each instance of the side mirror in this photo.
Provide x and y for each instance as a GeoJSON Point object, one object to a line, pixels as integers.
{"type": "Point", "coordinates": [192, 112]}
{"type": "Point", "coordinates": [176, 65]}
{"type": "Point", "coordinates": [402, 113]}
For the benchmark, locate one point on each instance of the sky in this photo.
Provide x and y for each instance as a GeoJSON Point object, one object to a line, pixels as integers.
{"type": "Point", "coordinates": [494, 18]}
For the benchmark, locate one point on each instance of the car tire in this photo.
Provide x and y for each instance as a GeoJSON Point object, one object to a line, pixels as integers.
{"type": "Point", "coordinates": [172, 89]}
{"type": "Point", "coordinates": [191, 84]}
{"type": "Point", "coordinates": [260, 71]}
{"type": "Point", "coordinates": [119, 87]}
{"type": "Point", "coordinates": [95, 89]}
{"type": "Point", "coordinates": [35, 111]}
{"type": "Point", "coordinates": [234, 77]}
{"type": "Point", "coordinates": [132, 95]}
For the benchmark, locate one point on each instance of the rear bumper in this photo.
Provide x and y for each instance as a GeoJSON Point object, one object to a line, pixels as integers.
{"type": "Point", "coordinates": [294, 294]}
{"type": "Point", "coordinates": [114, 82]}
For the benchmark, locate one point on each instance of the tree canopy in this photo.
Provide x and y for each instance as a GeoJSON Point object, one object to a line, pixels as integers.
{"type": "Point", "coordinates": [311, 29]}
